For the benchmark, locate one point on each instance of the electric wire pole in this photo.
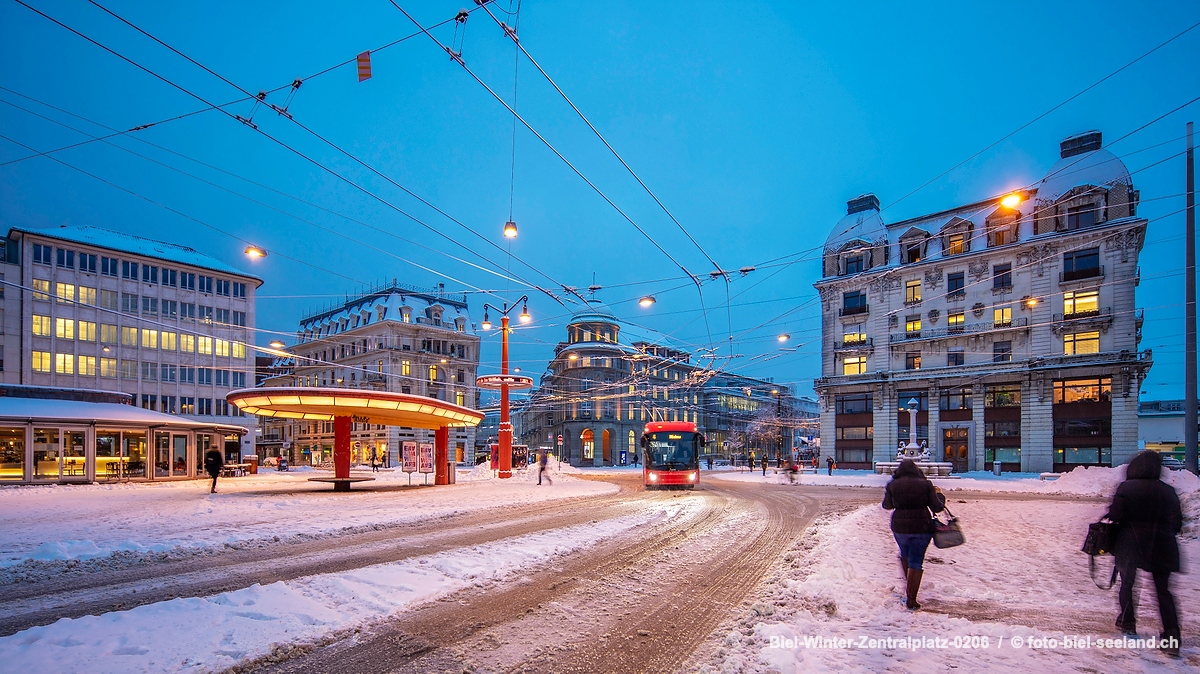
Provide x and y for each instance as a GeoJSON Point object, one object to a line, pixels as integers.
{"type": "Point", "coordinates": [1189, 335]}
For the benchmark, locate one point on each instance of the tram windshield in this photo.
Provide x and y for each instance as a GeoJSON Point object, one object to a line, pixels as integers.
{"type": "Point", "coordinates": [671, 450]}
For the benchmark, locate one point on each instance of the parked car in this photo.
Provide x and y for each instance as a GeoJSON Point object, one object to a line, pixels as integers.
{"type": "Point", "coordinates": [1172, 463]}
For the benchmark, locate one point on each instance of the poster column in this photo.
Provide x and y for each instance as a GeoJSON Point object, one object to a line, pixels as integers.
{"type": "Point", "coordinates": [441, 458]}
{"type": "Point", "coordinates": [341, 449]}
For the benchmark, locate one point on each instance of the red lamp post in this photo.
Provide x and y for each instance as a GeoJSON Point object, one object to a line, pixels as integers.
{"type": "Point", "coordinates": [504, 381]}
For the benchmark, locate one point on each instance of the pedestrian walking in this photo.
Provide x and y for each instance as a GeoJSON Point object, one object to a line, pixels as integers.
{"type": "Point", "coordinates": [814, 464]}
{"type": "Point", "coordinates": [374, 460]}
{"type": "Point", "coordinates": [764, 466]}
{"type": "Point", "coordinates": [544, 467]}
{"type": "Point", "coordinates": [213, 463]}
{"type": "Point", "coordinates": [1148, 518]}
{"type": "Point", "coordinates": [710, 462]}
{"type": "Point", "coordinates": [914, 499]}
{"type": "Point", "coordinates": [829, 463]}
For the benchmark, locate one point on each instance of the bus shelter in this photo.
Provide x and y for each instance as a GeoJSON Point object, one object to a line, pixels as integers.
{"type": "Point", "coordinates": [348, 406]}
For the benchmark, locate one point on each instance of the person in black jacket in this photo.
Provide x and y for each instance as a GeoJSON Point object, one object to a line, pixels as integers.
{"type": "Point", "coordinates": [913, 498]}
{"type": "Point", "coordinates": [1148, 517]}
{"type": "Point", "coordinates": [212, 465]}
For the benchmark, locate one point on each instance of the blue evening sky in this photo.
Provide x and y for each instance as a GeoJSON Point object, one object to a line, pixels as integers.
{"type": "Point", "coordinates": [753, 122]}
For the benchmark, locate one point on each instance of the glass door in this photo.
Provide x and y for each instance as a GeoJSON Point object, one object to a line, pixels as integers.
{"type": "Point", "coordinates": [75, 464]}
{"type": "Point", "coordinates": [954, 447]}
{"type": "Point", "coordinates": [12, 454]}
{"type": "Point", "coordinates": [45, 454]}
{"type": "Point", "coordinates": [109, 463]}
{"type": "Point", "coordinates": [179, 464]}
{"type": "Point", "coordinates": [135, 453]}
{"type": "Point", "coordinates": [162, 454]}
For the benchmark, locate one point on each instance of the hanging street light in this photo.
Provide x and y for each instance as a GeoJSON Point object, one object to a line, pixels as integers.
{"type": "Point", "coordinates": [255, 252]}
{"type": "Point", "coordinates": [510, 230]}
{"type": "Point", "coordinates": [504, 381]}
{"type": "Point", "coordinates": [647, 301]}
{"type": "Point", "coordinates": [784, 337]}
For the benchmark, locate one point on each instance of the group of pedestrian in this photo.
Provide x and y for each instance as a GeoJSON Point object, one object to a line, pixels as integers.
{"type": "Point", "coordinates": [1145, 512]}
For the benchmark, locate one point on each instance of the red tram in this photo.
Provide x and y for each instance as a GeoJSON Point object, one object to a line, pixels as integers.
{"type": "Point", "coordinates": [671, 450]}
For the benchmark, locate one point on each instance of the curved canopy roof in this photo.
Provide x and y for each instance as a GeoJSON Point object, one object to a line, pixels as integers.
{"type": "Point", "coordinates": [372, 407]}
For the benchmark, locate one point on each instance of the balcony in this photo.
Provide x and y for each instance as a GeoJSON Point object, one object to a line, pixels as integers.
{"type": "Point", "coordinates": [1081, 274]}
{"type": "Point", "coordinates": [959, 294]}
{"type": "Point", "coordinates": [854, 310]}
{"type": "Point", "coordinates": [851, 345]}
{"type": "Point", "coordinates": [1098, 319]}
{"type": "Point", "coordinates": [957, 330]}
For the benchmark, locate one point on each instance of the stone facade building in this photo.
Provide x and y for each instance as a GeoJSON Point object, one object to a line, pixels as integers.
{"type": "Point", "coordinates": [1010, 321]}
{"type": "Point", "coordinates": [391, 338]}
{"type": "Point", "coordinates": [601, 389]}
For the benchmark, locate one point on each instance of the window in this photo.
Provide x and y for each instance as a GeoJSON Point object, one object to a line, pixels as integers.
{"type": "Point", "coordinates": [204, 406]}
{"type": "Point", "coordinates": [912, 325]}
{"type": "Point", "coordinates": [41, 289]}
{"type": "Point", "coordinates": [433, 373]}
{"type": "Point", "coordinates": [1002, 317]}
{"type": "Point", "coordinates": [187, 310]}
{"type": "Point", "coordinates": [1002, 276]}
{"type": "Point", "coordinates": [87, 296]}
{"type": "Point", "coordinates": [221, 377]}
{"type": "Point", "coordinates": [854, 336]}
{"type": "Point", "coordinates": [129, 369]}
{"type": "Point", "coordinates": [1081, 264]}
{"type": "Point", "coordinates": [239, 318]}
{"type": "Point", "coordinates": [64, 292]}
{"type": "Point", "coordinates": [854, 403]}
{"type": "Point", "coordinates": [205, 284]}
{"type": "Point", "coordinates": [912, 252]}
{"type": "Point", "coordinates": [1083, 427]}
{"type": "Point", "coordinates": [170, 308]}
{"type": "Point", "coordinates": [149, 371]}
{"type": "Point", "coordinates": [108, 334]}
{"type": "Point", "coordinates": [239, 380]}
{"type": "Point", "coordinates": [170, 277]}
{"type": "Point", "coordinates": [150, 305]}
{"type": "Point", "coordinates": [955, 357]}
{"type": "Point", "coordinates": [204, 345]}
{"type": "Point", "coordinates": [856, 433]}
{"type": "Point", "coordinates": [187, 405]}
{"type": "Point", "coordinates": [108, 300]}
{"type": "Point", "coordinates": [221, 347]}
{"type": "Point", "coordinates": [42, 254]}
{"type": "Point", "coordinates": [1080, 217]}
{"type": "Point", "coordinates": [187, 375]}
{"type": "Point", "coordinates": [206, 313]}
{"type": "Point", "coordinates": [1001, 235]}
{"type": "Point", "coordinates": [64, 363]}
{"type": "Point", "coordinates": [854, 365]}
{"type": "Point", "coordinates": [239, 350]}
{"type": "Point", "coordinates": [405, 368]}
{"type": "Point", "coordinates": [87, 331]}
{"type": "Point", "coordinates": [187, 343]}
{"type": "Point", "coordinates": [1081, 304]}
{"type": "Point", "coordinates": [129, 336]}
{"type": "Point", "coordinates": [168, 403]}
{"type": "Point", "coordinates": [129, 303]}
{"type": "Point", "coordinates": [854, 264]}
{"type": "Point", "coordinates": [41, 361]}
{"type": "Point", "coordinates": [956, 244]}
{"type": "Point", "coordinates": [66, 258]}
{"type": "Point", "coordinates": [955, 399]}
{"type": "Point", "coordinates": [1002, 429]}
{"type": "Point", "coordinates": [1002, 396]}
{"type": "Point", "coordinates": [956, 321]}
{"type": "Point", "coordinates": [912, 361]}
{"type": "Point", "coordinates": [1078, 343]}
{"type": "Point", "coordinates": [239, 289]}
{"type": "Point", "coordinates": [41, 326]}
{"type": "Point", "coordinates": [64, 328]}
{"type": "Point", "coordinates": [187, 281]}
{"type": "Point", "coordinates": [854, 302]}
{"type": "Point", "coordinates": [204, 376]}
{"type": "Point", "coordinates": [149, 338]}
{"type": "Point", "coordinates": [168, 373]}
{"type": "Point", "coordinates": [149, 274]}
{"type": "Point", "coordinates": [108, 267]}
{"type": "Point", "coordinates": [108, 367]}
{"type": "Point", "coordinates": [129, 270]}
{"type": "Point", "coordinates": [956, 284]}
{"type": "Point", "coordinates": [912, 291]}
{"type": "Point", "coordinates": [223, 287]}
{"type": "Point", "coordinates": [1002, 352]}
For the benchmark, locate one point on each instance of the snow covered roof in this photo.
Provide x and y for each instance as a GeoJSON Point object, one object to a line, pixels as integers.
{"type": "Point", "coordinates": [1098, 167]}
{"type": "Point", "coordinates": [21, 410]}
{"type": "Point", "coordinates": [127, 243]}
{"type": "Point", "coordinates": [386, 303]}
{"type": "Point", "coordinates": [864, 225]}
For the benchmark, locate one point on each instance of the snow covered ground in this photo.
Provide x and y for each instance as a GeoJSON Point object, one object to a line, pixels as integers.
{"type": "Point", "coordinates": [1020, 581]}
{"type": "Point", "coordinates": [80, 522]}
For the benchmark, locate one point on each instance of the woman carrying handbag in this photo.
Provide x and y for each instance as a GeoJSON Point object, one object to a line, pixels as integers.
{"type": "Point", "coordinates": [914, 499]}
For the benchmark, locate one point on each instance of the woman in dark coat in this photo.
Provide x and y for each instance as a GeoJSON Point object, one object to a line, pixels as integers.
{"type": "Point", "coordinates": [914, 499]}
{"type": "Point", "coordinates": [213, 463]}
{"type": "Point", "coordinates": [1148, 517]}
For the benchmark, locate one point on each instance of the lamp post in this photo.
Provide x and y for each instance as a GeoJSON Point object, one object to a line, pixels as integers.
{"type": "Point", "coordinates": [779, 418]}
{"type": "Point", "coordinates": [504, 382]}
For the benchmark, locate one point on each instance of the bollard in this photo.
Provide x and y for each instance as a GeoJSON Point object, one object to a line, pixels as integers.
{"type": "Point", "coordinates": [996, 468]}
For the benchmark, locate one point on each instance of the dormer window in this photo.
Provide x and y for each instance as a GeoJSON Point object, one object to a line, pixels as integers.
{"type": "Point", "coordinates": [912, 252]}
{"type": "Point", "coordinates": [855, 264]}
{"type": "Point", "coordinates": [1002, 228]}
{"type": "Point", "coordinates": [1081, 217]}
{"type": "Point", "coordinates": [912, 245]}
{"type": "Point", "coordinates": [956, 244]}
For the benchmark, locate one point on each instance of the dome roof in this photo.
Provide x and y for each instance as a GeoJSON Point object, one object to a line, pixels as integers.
{"type": "Point", "coordinates": [866, 225]}
{"type": "Point", "coordinates": [595, 312]}
{"type": "Point", "coordinates": [1097, 167]}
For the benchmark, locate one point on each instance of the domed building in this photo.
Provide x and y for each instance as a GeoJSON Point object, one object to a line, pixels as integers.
{"type": "Point", "coordinates": [1010, 322]}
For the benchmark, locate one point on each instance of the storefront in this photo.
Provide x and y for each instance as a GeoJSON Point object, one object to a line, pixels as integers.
{"type": "Point", "coordinates": [46, 441]}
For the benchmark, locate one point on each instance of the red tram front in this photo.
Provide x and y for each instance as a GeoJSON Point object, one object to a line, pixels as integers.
{"type": "Point", "coordinates": [671, 452]}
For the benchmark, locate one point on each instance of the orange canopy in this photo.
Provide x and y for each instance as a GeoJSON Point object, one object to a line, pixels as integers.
{"type": "Point", "coordinates": [371, 407]}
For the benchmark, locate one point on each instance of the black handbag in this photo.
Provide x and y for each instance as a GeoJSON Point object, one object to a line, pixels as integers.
{"type": "Point", "coordinates": [947, 534]}
{"type": "Point", "coordinates": [1101, 537]}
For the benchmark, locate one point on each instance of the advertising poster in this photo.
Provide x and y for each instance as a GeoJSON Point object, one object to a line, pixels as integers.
{"type": "Point", "coordinates": [409, 457]}
{"type": "Point", "coordinates": [426, 465]}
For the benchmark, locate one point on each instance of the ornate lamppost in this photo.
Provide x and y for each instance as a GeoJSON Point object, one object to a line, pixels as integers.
{"type": "Point", "coordinates": [505, 381]}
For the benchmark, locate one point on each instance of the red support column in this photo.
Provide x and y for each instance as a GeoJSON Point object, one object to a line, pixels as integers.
{"type": "Point", "coordinates": [341, 452]}
{"type": "Point", "coordinates": [506, 429]}
{"type": "Point", "coordinates": [441, 456]}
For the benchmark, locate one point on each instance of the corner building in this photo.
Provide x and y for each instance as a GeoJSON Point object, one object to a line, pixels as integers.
{"type": "Point", "coordinates": [1010, 321]}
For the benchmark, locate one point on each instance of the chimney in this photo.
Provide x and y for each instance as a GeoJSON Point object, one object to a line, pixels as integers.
{"type": "Point", "coordinates": [864, 202]}
{"type": "Point", "coordinates": [1080, 143]}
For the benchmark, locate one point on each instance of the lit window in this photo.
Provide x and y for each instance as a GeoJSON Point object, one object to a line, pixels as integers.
{"type": "Point", "coordinates": [239, 350]}
{"type": "Point", "coordinates": [1002, 317]}
{"type": "Point", "coordinates": [1077, 343]}
{"type": "Point", "coordinates": [65, 292]}
{"type": "Point", "coordinates": [149, 339]}
{"type": "Point", "coordinates": [41, 289]}
{"type": "Point", "coordinates": [955, 321]}
{"type": "Point", "coordinates": [129, 336]}
{"type": "Point", "coordinates": [41, 361]}
{"type": "Point", "coordinates": [855, 337]}
{"type": "Point", "coordinates": [64, 363]}
{"type": "Point", "coordinates": [912, 291]}
{"type": "Point", "coordinates": [222, 347]}
{"type": "Point", "coordinates": [87, 366]}
{"type": "Point", "coordinates": [912, 361]}
{"type": "Point", "coordinates": [87, 296]}
{"type": "Point", "coordinates": [108, 333]}
{"type": "Point", "coordinates": [433, 373]}
{"type": "Point", "coordinates": [87, 331]}
{"type": "Point", "coordinates": [204, 345]}
{"type": "Point", "coordinates": [854, 365]}
{"type": "Point", "coordinates": [187, 343]}
{"type": "Point", "coordinates": [956, 244]}
{"type": "Point", "coordinates": [406, 368]}
{"type": "Point", "coordinates": [912, 324]}
{"type": "Point", "coordinates": [1085, 303]}
{"type": "Point", "coordinates": [41, 326]}
{"type": "Point", "coordinates": [64, 328]}
{"type": "Point", "coordinates": [167, 341]}
{"type": "Point", "coordinates": [460, 398]}
{"type": "Point", "coordinates": [108, 367]}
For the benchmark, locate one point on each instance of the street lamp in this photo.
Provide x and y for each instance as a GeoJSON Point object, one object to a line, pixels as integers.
{"type": "Point", "coordinates": [1011, 201]}
{"type": "Point", "coordinates": [276, 344]}
{"type": "Point", "coordinates": [510, 230]}
{"type": "Point", "coordinates": [647, 301]}
{"type": "Point", "coordinates": [784, 337]}
{"type": "Point", "coordinates": [255, 252]}
{"type": "Point", "coordinates": [506, 429]}
{"type": "Point", "coordinates": [779, 416]}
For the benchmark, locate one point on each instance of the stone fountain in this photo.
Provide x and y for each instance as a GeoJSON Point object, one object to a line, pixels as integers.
{"type": "Point", "coordinates": [918, 452]}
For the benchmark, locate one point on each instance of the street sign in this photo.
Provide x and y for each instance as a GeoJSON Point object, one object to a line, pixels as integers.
{"type": "Point", "coordinates": [408, 458]}
{"type": "Point", "coordinates": [560, 439]}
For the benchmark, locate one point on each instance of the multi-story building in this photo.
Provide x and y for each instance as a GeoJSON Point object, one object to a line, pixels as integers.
{"type": "Point", "coordinates": [599, 392]}
{"type": "Point", "coordinates": [1010, 322]}
{"type": "Point", "coordinates": [391, 338]}
{"type": "Point", "coordinates": [96, 309]}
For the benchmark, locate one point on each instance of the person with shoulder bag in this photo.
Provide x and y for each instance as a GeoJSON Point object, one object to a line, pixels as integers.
{"type": "Point", "coordinates": [1147, 518]}
{"type": "Point", "coordinates": [914, 499]}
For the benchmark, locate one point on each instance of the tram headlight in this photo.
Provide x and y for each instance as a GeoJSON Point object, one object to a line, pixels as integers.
{"type": "Point", "coordinates": [654, 477]}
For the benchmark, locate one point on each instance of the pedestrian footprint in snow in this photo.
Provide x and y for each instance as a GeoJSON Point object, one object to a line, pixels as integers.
{"type": "Point", "coordinates": [914, 499]}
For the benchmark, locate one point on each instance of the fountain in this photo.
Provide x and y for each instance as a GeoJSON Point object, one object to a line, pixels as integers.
{"type": "Point", "coordinates": [918, 452]}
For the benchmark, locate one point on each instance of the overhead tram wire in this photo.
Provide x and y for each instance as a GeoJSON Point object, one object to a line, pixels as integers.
{"type": "Point", "coordinates": [512, 33]}
{"type": "Point", "coordinates": [342, 151]}
{"type": "Point", "coordinates": [553, 149]}
{"type": "Point", "coordinates": [270, 137]}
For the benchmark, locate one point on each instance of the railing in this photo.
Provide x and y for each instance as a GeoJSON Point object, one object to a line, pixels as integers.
{"type": "Point", "coordinates": [959, 294]}
{"type": "Point", "coordinates": [1077, 274]}
{"type": "Point", "coordinates": [1080, 315]}
{"type": "Point", "coordinates": [854, 311]}
{"type": "Point", "coordinates": [952, 331]}
{"type": "Point", "coordinates": [854, 344]}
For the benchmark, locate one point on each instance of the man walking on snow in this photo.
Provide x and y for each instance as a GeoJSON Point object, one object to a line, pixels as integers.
{"type": "Point", "coordinates": [543, 467]}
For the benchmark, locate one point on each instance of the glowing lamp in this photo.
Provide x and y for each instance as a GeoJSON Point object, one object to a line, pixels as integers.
{"type": "Point", "coordinates": [784, 337]}
{"type": "Point", "coordinates": [646, 301]}
{"type": "Point", "coordinates": [1011, 201]}
{"type": "Point", "coordinates": [255, 252]}
{"type": "Point", "coordinates": [524, 316]}
{"type": "Point", "coordinates": [510, 230]}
